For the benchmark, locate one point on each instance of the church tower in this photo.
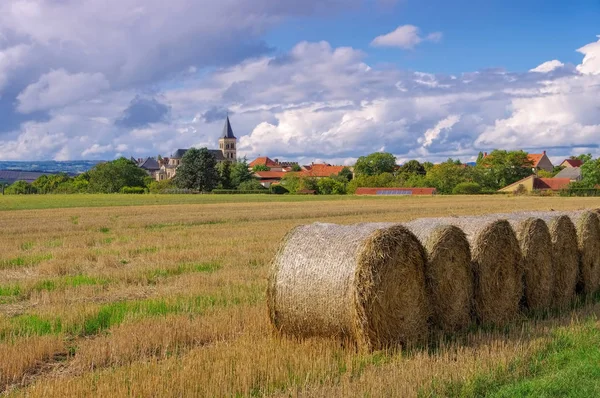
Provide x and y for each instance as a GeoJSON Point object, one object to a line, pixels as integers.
{"type": "Point", "coordinates": [228, 142]}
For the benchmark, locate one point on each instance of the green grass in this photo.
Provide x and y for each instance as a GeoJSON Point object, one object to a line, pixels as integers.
{"type": "Point", "coordinates": [568, 366]}
{"type": "Point", "coordinates": [24, 261]}
{"type": "Point", "coordinates": [112, 314]}
{"type": "Point", "coordinates": [22, 202]}
{"type": "Point", "coordinates": [153, 275]}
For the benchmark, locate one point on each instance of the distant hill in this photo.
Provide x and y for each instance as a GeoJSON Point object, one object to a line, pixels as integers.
{"type": "Point", "coordinates": [73, 167]}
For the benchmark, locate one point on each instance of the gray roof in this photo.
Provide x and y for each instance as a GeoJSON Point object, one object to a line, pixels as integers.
{"type": "Point", "coordinates": [150, 164]}
{"type": "Point", "coordinates": [573, 173]}
{"type": "Point", "coordinates": [217, 154]}
{"type": "Point", "coordinates": [10, 176]}
{"type": "Point", "coordinates": [179, 153]}
{"type": "Point", "coordinates": [227, 130]}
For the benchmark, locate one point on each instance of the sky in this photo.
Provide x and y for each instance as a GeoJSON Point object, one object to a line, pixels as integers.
{"type": "Point", "coordinates": [311, 80]}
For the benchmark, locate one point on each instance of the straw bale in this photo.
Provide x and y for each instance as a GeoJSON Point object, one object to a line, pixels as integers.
{"type": "Point", "coordinates": [364, 282]}
{"type": "Point", "coordinates": [448, 272]}
{"type": "Point", "coordinates": [536, 247]}
{"type": "Point", "coordinates": [588, 240]}
{"type": "Point", "coordinates": [565, 260]}
{"type": "Point", "coordinates": [497, 267]}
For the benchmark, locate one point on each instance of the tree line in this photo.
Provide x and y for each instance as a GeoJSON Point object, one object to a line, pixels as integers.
{"type": "Point", "coordinates": [200, 171]}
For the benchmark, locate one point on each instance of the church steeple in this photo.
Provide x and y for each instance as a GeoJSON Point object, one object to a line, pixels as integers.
{"type": "Point", "coordinates": [227, 130]}
{"type": "Point", "coordinates": [228, 142]}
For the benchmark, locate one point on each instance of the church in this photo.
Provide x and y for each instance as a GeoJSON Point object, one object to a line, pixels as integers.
{"type": "Point", "coordinates": [227, 152]}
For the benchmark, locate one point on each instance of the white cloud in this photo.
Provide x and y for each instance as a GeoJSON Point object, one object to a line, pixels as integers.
{"type": "Point", "coordinates": [406, 37]}
{"type": "Point", "coordinates": [10, 59]}
{"type": "Point", "coordinates": [97, 149]}
{"type": "Point", "coordinates": [434, 133]}
{"type": "Point", "coordinates": [58, 88]}
{"type": "Point", "coordinates": [591, 61]}
{"type": "Point", "coordinates": [548, 66]}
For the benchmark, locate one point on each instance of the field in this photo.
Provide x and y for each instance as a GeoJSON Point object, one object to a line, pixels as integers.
{"type": "Point", "coordinates": [148, 295]}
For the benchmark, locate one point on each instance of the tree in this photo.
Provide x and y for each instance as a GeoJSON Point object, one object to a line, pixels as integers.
{"type": "Point", "coordinates": [480, 157]}
{"type": "Point", "coordinates": [412, 167]}
{"type": "Point", "coordinates": [296, 167]}
{"type": "Point", "coordinates": [346, 173]}
{"type": "Point", "coordinates": [502, 168]}
{"type": "Point", "coordinates": [467, 188]}
{"type": "Point", "coordinates": [50, 183]}
{"type": "Point", "coordinates": [331, 186]}
{"type": "Point", "coordinates": [375, 163]}
{"type": "Point", "coordinates": [445, 176]}
{"type": "Point", "coordinates": [240, 173]}
{"type": "Point", "coordinates": [197, 171]}
{"type": "Point", "coordinates": [111, 177]}
{"type": "Point", "coordinates": [260, 167]}
{"type": "Point", "coordinates": [427, 166]}
{"type": "Point", "coordinates": [82, 182]}
{"type": "Point", "coordinates": [20, 188]}
{"type": "Point", "coordinates": [590, 174]}
{"type": "Point", "coordinates": [161, 186]}
{"type": "Point", "coordinates": [224, 170]}
{"type": "Point", "coordinates": [291, 182]}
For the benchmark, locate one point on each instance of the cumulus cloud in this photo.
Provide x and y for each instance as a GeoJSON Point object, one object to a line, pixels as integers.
{"type": "Point", "coordinates": [434, 133]}
{"type": "Point", "coordinates": [406, 37]}
{"type": "Point", "coordinates": [58, 88]}
{"type": "Point", "coordinates": [591, 61]}
{"type": "Point", "coordinates": [548, 66]}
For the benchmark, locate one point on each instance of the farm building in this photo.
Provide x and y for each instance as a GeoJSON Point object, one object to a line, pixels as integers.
{"type": "Point", "coordinates": [572, 173]}
{"type": "Point", "coordinates": [534, 183]}
{"type": "Point", "coordinates": [571, 163]}
{"type": "Point", "coordinates": [396, 191]}
{"type": "Point", "coordinates": [11, 176]}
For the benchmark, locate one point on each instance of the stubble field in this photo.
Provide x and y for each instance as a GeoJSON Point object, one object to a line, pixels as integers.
{"type": "Point", "coordinates": [148, 298]}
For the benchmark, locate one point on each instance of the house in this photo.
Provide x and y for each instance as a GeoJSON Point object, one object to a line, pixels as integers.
{"type": "Point", "coordinates": [227, 152]}
{"type": "Point", "coordinates": [540, 161]}
{"type": "Point", "coordinates": [320, 170]}
{"type": "Point", "coordinates": [267, 178]}
{"type": "Point", "coordinates": [571, 163]}
{"type": "Point", "coordinates": [396, 191]}
{"type": "Point", "coordinates": [535, 183]}
{"type": "Point", "coordinates": [265, 161]}
{"type": "Point", "coordinates": [572, 173]}
{"type": "Point", "coordinates": [150, 165]}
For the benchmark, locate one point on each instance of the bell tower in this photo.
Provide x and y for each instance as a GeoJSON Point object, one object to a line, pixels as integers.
{"type": "Point", "coordinates": [228, 142]}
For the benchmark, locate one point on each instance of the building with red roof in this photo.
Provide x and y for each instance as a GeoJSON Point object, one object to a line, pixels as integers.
{"type": "Point", "coordinates": [534, 183]}
{"type": "Point", "coordinates": [571, 163]}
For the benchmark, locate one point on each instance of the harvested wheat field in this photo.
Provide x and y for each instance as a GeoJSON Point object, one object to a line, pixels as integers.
{"type": "Point", "coordinates": [139, 297]}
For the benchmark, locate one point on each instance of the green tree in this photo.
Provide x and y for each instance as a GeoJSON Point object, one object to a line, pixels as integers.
{"type": "Point", "coordinates": [260, 167]}
{"type": "Point", "coordinates": [480, 156]}
{"type": "Point", "coordinates": [161, 186]}
{"type": "Point", "coordinates": [375, 163]}
{"type": "Point", "coordinates": [467, 188]}
{"type": "Point", "coordinates": [412, 167]}
{"type": "Point", "coordinates": [296, 167]}
{"type": "Point", "coordinates": [111, 177]}
{"type": "Point", "coordinates": [331, 186]}
{"type": "Point", "coordinates": [224, 170]}
{"type": "Point", "coordinates": [50, 183]}
{"type": "Point", "coordinates": [197, 171]}
{"type": "Point", "coordinates": [427, 166]}
{"type": "Point", "coordinates": [346, 173]}
{"type": "Point", "coordinates": [590, 174]}
{"type": "Point", "coordinates": [291, 182]}
{"type": "Point", "coordinates": [445, 176]}
{"type": "Point", "coordinates": [251, 185]}
{"type": "Point", "coordinates": [502, 168]}
{"type": "Point", "coordinates": [20, 188]}
{"type": "Point", "coordinates": [82, 182]}
{"type": "Point", "coordinates": [240, 173]}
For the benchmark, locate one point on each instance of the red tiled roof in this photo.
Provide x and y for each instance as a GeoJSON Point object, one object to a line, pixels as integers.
{"type": "Point", "coordinates": [264, 161]}
{"type": "Point", "coordinates": [574, 162]}
{"type": "Point", "coordinates": [322, 170]}
{"type": "Point", "coordinates": [535, 158]}
{"type": "Point", "coordinates": [554, 184]}
{"type": "Point", "coordinates": [269, 174]}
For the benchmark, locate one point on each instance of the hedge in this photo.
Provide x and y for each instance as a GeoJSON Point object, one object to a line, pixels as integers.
{"type": "Point", "coordinates": [133, 190]}
{"type": "Point", "coordinates": [240, 192]}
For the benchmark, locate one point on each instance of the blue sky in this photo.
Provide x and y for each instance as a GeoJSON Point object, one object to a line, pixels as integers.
{"type": "Point", "coordinates": [317, 80]}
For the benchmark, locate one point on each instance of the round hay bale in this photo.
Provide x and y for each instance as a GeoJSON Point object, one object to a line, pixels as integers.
{"type": "Point", "coordinates": [497, 268]}
{"type": "Point", "coordinates": [365, 282]}
{"type": "Point", "coordinates": [588, 241]}
{"type": "Point", "coordinates": [565, 260]}
{"type": "Point", "coordinates": [565, 253]}
{"type": "Point", "coordinates": [536, 247]}
{"type": "Point", "coordinates": [448, 273]}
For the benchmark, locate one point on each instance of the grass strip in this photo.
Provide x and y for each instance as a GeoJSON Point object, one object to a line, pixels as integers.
{"type": "Point", "coordinates": [568, 366]}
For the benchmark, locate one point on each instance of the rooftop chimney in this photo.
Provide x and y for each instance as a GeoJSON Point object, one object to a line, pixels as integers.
{"type": "Point", "coordinates": [544, 152]}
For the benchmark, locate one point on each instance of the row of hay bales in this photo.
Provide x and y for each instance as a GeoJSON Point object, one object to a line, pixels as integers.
{"type": "Point", "coordinates": [382, 284]}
